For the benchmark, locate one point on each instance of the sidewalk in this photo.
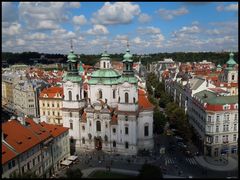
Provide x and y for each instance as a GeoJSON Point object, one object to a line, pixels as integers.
{"type": "Point", "coordinates": [232, 164]}
{"type": "Point", "coordinates": [87, 172]}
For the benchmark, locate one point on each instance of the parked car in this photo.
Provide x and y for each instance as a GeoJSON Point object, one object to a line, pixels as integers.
{"type": "Point", "coordinates": [182, 145]}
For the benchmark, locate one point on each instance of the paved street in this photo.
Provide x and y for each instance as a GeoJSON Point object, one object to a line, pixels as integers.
{"type": "Point", "coordinates": [173, 162]}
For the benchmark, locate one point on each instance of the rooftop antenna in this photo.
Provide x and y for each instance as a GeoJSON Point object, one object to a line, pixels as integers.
{"type": "Point", "coordinates": [71, 45]}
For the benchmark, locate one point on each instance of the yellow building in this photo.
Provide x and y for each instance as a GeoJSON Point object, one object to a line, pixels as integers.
{"type": "Point", "coordinates": [50, 103]}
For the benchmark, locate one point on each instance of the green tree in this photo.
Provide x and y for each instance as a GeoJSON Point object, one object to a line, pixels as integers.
{"type": "Point", "coordinates": [74, 173]}
{"type": "Point", "coordinates": [159, 121]}
{"type": "Point", "coordinates": [150, 171]}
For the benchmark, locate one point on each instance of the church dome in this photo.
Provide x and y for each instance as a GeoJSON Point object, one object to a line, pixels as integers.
{"type": "Point", "coordinates": [72, 57]}
{"type": "Point", "coordinates": [231, 62]}
{"type": "Point", "coordinates": [127, 55]}
{"type": "Point", "coordinates": [105, 73]}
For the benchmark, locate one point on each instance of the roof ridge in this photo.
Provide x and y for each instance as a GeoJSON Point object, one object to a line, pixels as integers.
{"type": "Point", "coordinates": [10, 147]}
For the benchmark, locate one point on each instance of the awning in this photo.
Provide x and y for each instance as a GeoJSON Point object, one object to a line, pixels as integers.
{"type": "Point", "coordinates": [72, 158]}
{"type": "Point", "coordinates": [66, 162]}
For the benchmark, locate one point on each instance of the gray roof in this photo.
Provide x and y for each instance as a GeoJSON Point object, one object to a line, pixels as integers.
{"type": "Point", "coordinates": [196, 83]}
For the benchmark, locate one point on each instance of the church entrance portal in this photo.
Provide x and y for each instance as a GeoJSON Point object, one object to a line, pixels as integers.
{"type": "Point", "coordinates": [98, 143]}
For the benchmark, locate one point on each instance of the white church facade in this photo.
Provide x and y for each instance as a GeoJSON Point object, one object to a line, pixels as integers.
{"type": "Point", "coordinates": [114, 115]}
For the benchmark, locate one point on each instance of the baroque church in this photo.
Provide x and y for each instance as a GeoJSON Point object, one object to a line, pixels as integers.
{"type": "Point", "coordinates": [113, 114]}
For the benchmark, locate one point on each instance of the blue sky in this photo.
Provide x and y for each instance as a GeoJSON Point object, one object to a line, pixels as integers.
{"type": "Point", "coordinates": [150, 27]}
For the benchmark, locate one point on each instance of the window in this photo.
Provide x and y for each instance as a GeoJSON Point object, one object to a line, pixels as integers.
{"type": "Point", "coordinates": [104, 64]}
{"type": "Point", "coordinates": [52, 105]}
{"type": "Point", "coordinates": [233, 77]}
{"type": "Point", "coordinates": [146, 130]}
{"type": "Point", "coordinates": [234, 137]}
{"type": "Point", "coordinates": [34, 162]}
{"type": "Point", "coordinates": [100, 94]}
{"type": "Point", "coordinates": [218, 118]}
{"type": "Point", "coordinates": [114, 94]}
{"type": "Point", "coordinates": [83, 140]}
{"type": "Point", "coordinates": [227, 138]}
{"type": "Point", "coordinates": [217, 128]}
{"type": "Point", "coordinates": [43, 104]}
{"type": "Point", "coordinates": [58, 113]}
{"type": "Point", "coordinates": [90, 124]}
{"type": "Point", "coordinates": [44, 113]}
{"type": "Point", "coordinates": [77, 97]}
{"type": "Point", "coordinates": [216, 139]}
{"type": "Point", "coordinates": [98, 124]}
{"type": "Point", "coordinates": [126, 118]}
{"type": "Point", "coordinates": [71, 125]}
{"type": "Point", "coordinates": [70, 95]}
{"type": "Point", "coordinates": [126, 145]}
{"type": "Point", "coordinates": [28, 165]}
{"type": "Point", "coordinates": [119, 99]}
{"type": "Point", "coordinates": [235, 117]}
{"type": "Point", "coordinates": [126, 130]}
{"type": "Point", "coordinates": [126, 97]}
{"type": "Point", "coordinates": [114, 143]}
{"type": "Point", "coordinates": [209, 119]}
{"type": "Point", "coordinates": [57, 104]}
{"type": "Point", "coordinates": [106, 125]}
{"type": "Point", "coordinates": [53, 113]}
{"type": "Point", "coordinates": [134, 100]}
{"type": "Point", "coordinates": [70, 114]}
{"type": "Point", "coordinates": [49, 113]}
{"type": "Point", "coordinates": [47, 104]}
{"type": "Point", "coordinates": [83, 128]}
{"type": "Point", "coordinates": [235, 127]}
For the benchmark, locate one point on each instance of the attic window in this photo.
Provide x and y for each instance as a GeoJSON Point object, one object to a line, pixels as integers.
{"type": "Point", "coordinates": [19, 142]}
{"type": "Point", "coordinates": [3, 152]}
{"type": "Point", "coordinates": [43, 131]}
{"type": "Point", "coordinates": [29, 138]}
{"type": "Point", "coordinates": [55, 128]}
{"type": "Point", "coordinates": [39, 133]}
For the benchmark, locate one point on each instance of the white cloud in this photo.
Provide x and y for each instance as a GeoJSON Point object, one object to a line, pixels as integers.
{"type": "Point", "coordinates": [144, 18]}
{"type": "Point", "coordinates": [116, 13]}
{"type": "Point", "coordinates": [213, 32]}
{"type": "Point", "coordinates": [20, 42]}
{"type": "Point", "coordinates": [170, 14]}
{"type": "Point", "coordinates": [79, 20]}
{"type": "Point", "coordinates": [230, 7]}
{"type": "Point", "coordinates": [12, 29]}
{"type": "Point", "coordinates": [74, 4]}
{"type": "Point", "coordinates": [148, 30]}
{"type": "Point", "coordinates": [192, 29]}
{"type": "Point", "coordinates": [98, 30]}
{"type": "Point", "coordinates": [36, 36]}
{"type": "Point", "coordinates": [137, 40]}
{"type": "Point", "coordinates": [43, 15]}
{"type": "Point", "coordinates": [47, 24]}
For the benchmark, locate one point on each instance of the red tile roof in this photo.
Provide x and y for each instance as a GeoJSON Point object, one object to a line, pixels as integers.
{"type": "Point", "coordinates": [20, 137]}
{"type": "Point", "coordinates": [54, 130]}
{"type": "Point", "coordinates": [24, 137]}
{"type": "Point", "coordinates": [51, 92]}
{"type": "Point", "coordinates": [143, 101]}
{"type": "Point", "coordinates": [7, 153]}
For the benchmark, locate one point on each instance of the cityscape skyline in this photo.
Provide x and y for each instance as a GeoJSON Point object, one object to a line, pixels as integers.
{"type": "Point", "coordinates": [94, 27]}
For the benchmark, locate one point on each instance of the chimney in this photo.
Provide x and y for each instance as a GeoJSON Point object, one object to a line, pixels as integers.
{"type": "Point", "coordinates": [22, 120]}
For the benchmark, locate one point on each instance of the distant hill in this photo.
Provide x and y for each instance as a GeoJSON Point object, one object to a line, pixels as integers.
{"type": "Point", "coordinates": [30, 57]}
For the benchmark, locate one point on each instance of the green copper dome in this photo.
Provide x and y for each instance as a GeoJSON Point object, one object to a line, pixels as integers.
{"type": "Point", "coordinates": [72, 57]}
{"type": "Point", "coordinates": [219, 66]}
{"type": "Point", "coordinates": [81, 69]}
{"type": "Point", "coordinates": [231, 62]}
{"type": "Point", "coordinates": [127, 55]}
{"type": "Point", "coordinates": [105, 73]}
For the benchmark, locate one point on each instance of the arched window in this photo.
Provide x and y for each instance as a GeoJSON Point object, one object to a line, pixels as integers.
{"type": "Point", "coordinates": [100, 94]}
{"type": "Point", "coordinates": [126, 145]}
{"type": "Point", "coordinates": [114, 143]}
{"type": "Point", "coordinates": [98, 125]}
{"type": "Point", "coordinates": [126, 97]}
{"type": "Point", "coordinates": [77, 97]}
{"type": "Point", "coordinates": [104, 65]}
{"type": "Point", "coordinates": [134, 100]}
{"type": "Point", "coordinates": [70, 95]}
{"type": "Point", "coordinates": [119, 99]}
{"type": "Point", "coordinates": [146, 130]}
{"type": "Point", "coordinates": [70, 114]}
{"type": "Point", "coordinates": [114, 94]}
{"type": "Point", "coordinates": [83, 140]}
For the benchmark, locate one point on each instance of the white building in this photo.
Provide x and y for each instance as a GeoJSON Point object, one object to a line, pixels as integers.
{"type": "Point", "coordinates": [116, 115]}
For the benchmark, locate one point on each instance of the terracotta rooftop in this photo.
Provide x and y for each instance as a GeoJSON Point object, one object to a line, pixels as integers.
{"type": "Point", "coordinates": [143, 101]}
{"type": "Point", "coordinates": [51, 92]}
{"type": "Point", "coordinates": [7, 153]}
{"type": "Point", "coordinates": [54, 130]}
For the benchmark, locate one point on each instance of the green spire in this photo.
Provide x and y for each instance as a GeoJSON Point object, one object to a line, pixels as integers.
{"type": "Point", "coordinates": [81, 69]}
{"type": "Point", "coordinates": [231, 62]}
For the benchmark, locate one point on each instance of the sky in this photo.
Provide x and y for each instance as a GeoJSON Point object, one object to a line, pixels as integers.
{"type": "Point", "coordinates": [148, 27]}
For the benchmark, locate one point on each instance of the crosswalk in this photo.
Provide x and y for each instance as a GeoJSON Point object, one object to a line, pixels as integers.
{"type": "Point", "coordinates": [191, 161]}
{"type": "Point", "coordinates": [169, 160]}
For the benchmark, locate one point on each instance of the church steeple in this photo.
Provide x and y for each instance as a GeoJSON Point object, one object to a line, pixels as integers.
{"type": "Point", "coordinates": [127, 62]}
{"type": "Point", "coordinates": [72, 61]}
